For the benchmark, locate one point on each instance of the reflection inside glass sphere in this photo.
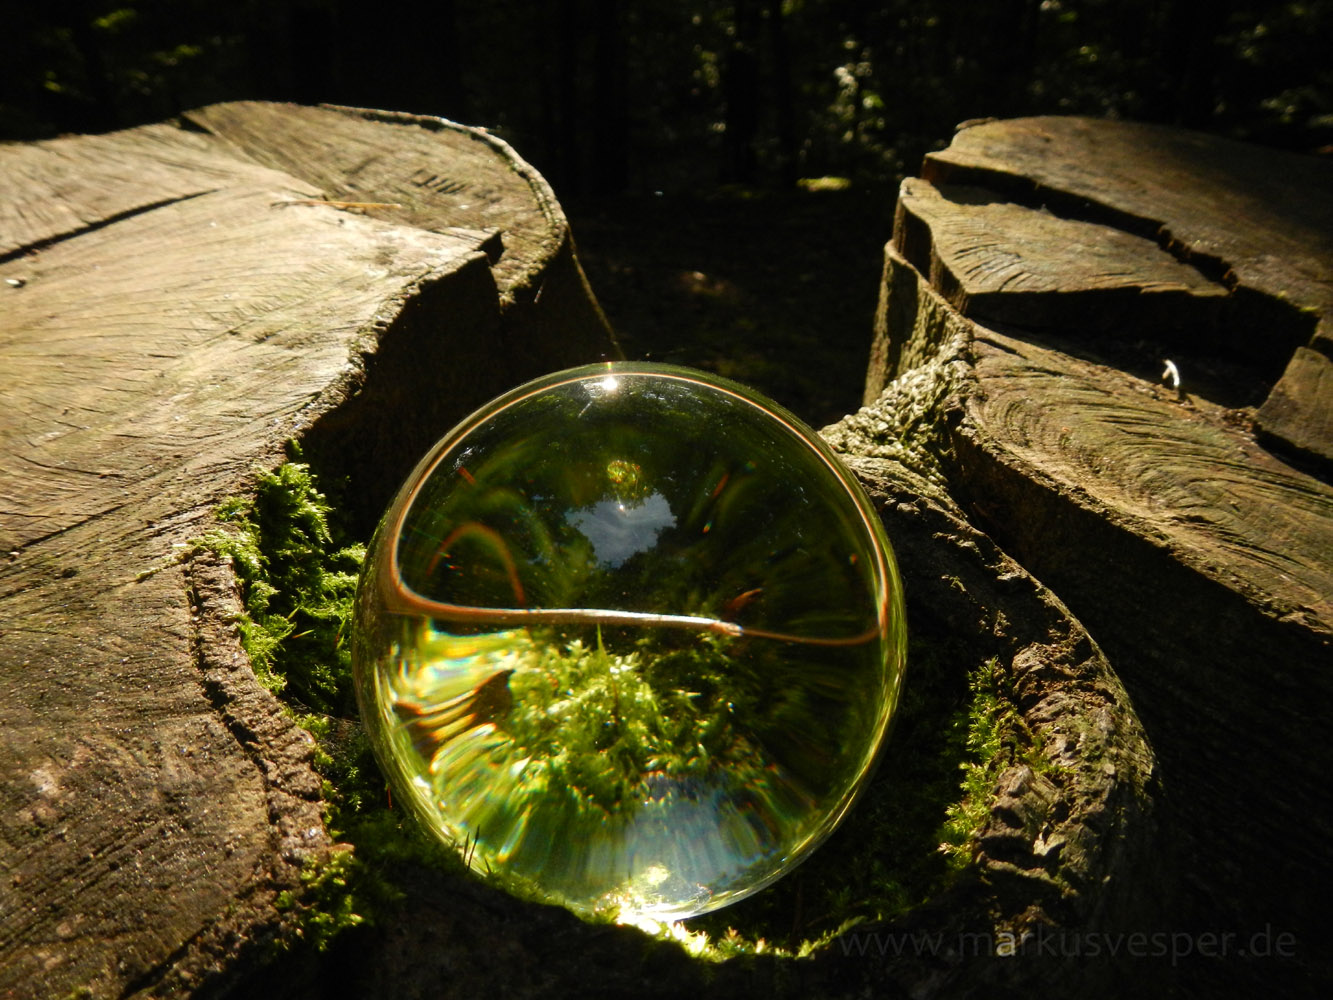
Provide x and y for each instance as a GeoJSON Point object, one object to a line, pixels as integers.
{"type": "Point", "coordinates": [632, 636]}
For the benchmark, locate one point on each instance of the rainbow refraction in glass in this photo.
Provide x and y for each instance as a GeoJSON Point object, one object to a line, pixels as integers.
{"type": "Point", "coordinates": [632, 636]}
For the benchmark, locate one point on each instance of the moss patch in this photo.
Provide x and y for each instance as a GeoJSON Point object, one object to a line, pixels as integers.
{"type": "Point", "coordinates": [298, 576]}
{"type": "Point", "coordinates": [997, 737]}
{"type": "Point", "coordinates": [298, 587]}
{"type": "Point", "coordinates": [910, 837]}
{"type": "Point", "coordinates": [914, 832]}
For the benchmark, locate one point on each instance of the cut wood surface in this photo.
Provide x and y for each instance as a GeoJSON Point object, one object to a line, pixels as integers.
{"type": "Point", "coordinates": [1149, 585]}
{"type": "Point", "coordinates": [180, 301]}
{"type": "Point", "coordinates": [1257, 221]}
{"type": "Point", "coordinates": [1005, 262]}
{"type": "Point", "coordinates": [175, 304]}
{"type": "Point", "coordinates": [1032, 313]}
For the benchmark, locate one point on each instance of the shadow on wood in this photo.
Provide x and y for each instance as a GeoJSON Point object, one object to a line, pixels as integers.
{"type": "Point", "coordinates": [179, 301]}
{"type": "Point", "coordinates": [1036, 308]}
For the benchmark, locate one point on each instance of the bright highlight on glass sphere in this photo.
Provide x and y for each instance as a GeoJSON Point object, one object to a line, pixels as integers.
{"type": "Point", "coordinates": [630, 635]}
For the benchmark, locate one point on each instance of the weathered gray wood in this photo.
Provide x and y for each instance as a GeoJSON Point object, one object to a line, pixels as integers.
{"type": "Point", "coordinates": [182, 303]}
{"type": "Point", "coordinates": [434, 175]}
{"type": "Point", "coordinates": [1298, 413]}
{"type": "Point", "coordinates": [440, 177]}
{"type": "Point", "coordinates": [171, 312]}
{"type": "Point", "coordinates": [186, 300]}
{"type": "Point", "coordinates": [1001, 262]}
{"type": "Point", "coordinates": [1258, 221]}
{"type": "Point", "coordinates": [1201, 562]}
{"type": "Point", "coordinates": [1264, 215]}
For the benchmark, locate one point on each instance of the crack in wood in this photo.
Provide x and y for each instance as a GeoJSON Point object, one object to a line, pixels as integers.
{"type": "Point", "coordinates": [39, 245]}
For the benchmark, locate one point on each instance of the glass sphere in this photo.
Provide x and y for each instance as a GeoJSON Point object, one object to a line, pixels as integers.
{"type": "Point", "coordinates": [630, 635]}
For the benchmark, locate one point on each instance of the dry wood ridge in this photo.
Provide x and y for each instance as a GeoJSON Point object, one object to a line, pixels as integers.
{"type": "Point", "coordinates": [1256, 221]}
{"type": "Point", "coordinates": [173, 308]}
{"type": "Point", "coordinates": [1037, 282]}
{"type": "Point", "coordinates": [412, 181]}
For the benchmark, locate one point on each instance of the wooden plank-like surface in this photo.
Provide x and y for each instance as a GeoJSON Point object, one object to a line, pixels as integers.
{"type": "Point", "coordinates": [1265, 216]}
{"type": "Point", "coordinates": [133, 345]}
{"type": "Point", "coordinates": [1258, 221]}
{"type": "Point", "coordinates": [60, 188]}
{"type": "Point", "coordinates": [1199, 558]}
{"type": "Point", "coordinates": [1001, 262]}
{"type": "Point", "coordinates": [430, 174]}
{"type": "Point", "coordinates": [171, 312]}
{"type": "Point", "coordinates": [1179, 474]}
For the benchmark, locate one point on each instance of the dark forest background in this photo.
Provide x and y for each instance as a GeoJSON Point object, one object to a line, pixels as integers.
{"type": "Point", "coordinates": [729, 168]}
{"type": "Point", "coordinates": [608, 97]}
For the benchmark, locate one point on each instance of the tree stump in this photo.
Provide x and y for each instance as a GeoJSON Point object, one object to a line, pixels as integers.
{"type": "Point", "coordinates": [1123, 332]}
{"type": "Point", "coordinates": [360, 280]}
{"type": "Point", "coordinates": [179, 300]}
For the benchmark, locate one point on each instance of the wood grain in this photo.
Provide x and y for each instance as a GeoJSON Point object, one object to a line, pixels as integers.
{"type": "Point", "coordinates": [1264, 215]}
{"type": "Point", "coordinates": [1258, 220]}
{"type": "Point", "coordinates": [1199, 559]}
{"type": "Point", "coordinates": [435, 174]}
{"type": "Point", "coordinates": [1000, 262]}
{"type": "Point", "coordinates": [1178, 473]}
{"type": "Point", "coordinates": [172, 312]}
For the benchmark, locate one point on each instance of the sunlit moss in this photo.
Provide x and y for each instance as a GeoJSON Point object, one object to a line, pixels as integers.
{"type": "Point", "coordinates": [912, 834]}
{"type": "Point", "coordinates": [326, 905]}
{"type": "Point", "coordinates": [997, 736]}
{"type": "Point", "coordinates": [596, 725]}
{"type": "Point", "coordinates": [297, 587]}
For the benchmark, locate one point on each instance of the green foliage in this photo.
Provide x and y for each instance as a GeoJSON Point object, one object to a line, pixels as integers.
{"type": "Point", "coordinates": [297, 588]}
{"type": "Point", "coordinates": [618, 722]}
{"type": "Point", "coordinates": [326, 905]}
{"type": "Point", "coordinates": [659, 95]}
{"type": "Point", "coordinates": [997, 737]}
{"type": "Point", "coordinates": [298, 584]}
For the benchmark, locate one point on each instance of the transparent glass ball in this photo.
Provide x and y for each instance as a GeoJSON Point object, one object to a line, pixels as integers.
{"type": "Point", "coordinates": [630, 636]}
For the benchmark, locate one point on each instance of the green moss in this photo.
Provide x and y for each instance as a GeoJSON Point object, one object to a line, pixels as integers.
{"type": "Point", "coordinates": [298, 580]}
{"type": "Point", "coordinates": [297, 585]}
{"type": "Point", "coordinates": [327, 906]}
{"type": "Point", "coordinates": [910, 837]}
{"type": "Point", "coordinates": [913, 834]}
{"type": "Point", "coordinates": [594, 726]}
{"type": "Point", "coordinates": [997, 737]}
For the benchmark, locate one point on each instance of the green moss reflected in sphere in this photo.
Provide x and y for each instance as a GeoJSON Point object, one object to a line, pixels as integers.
{"type": "Point", "coordinates": [631, 636]}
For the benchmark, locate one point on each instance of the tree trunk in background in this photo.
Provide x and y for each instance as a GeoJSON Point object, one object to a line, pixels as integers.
{"type": "Point", "coordinates": [1191, 58]}
{"type": "Point", "coordinates": [560, 98]}
{"type": "Point", "coordinates": [740, 93]}
{"type": "Point", "coordinates": [609, 170]}
{"type": "Point", "coordinates": [784, 108]}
